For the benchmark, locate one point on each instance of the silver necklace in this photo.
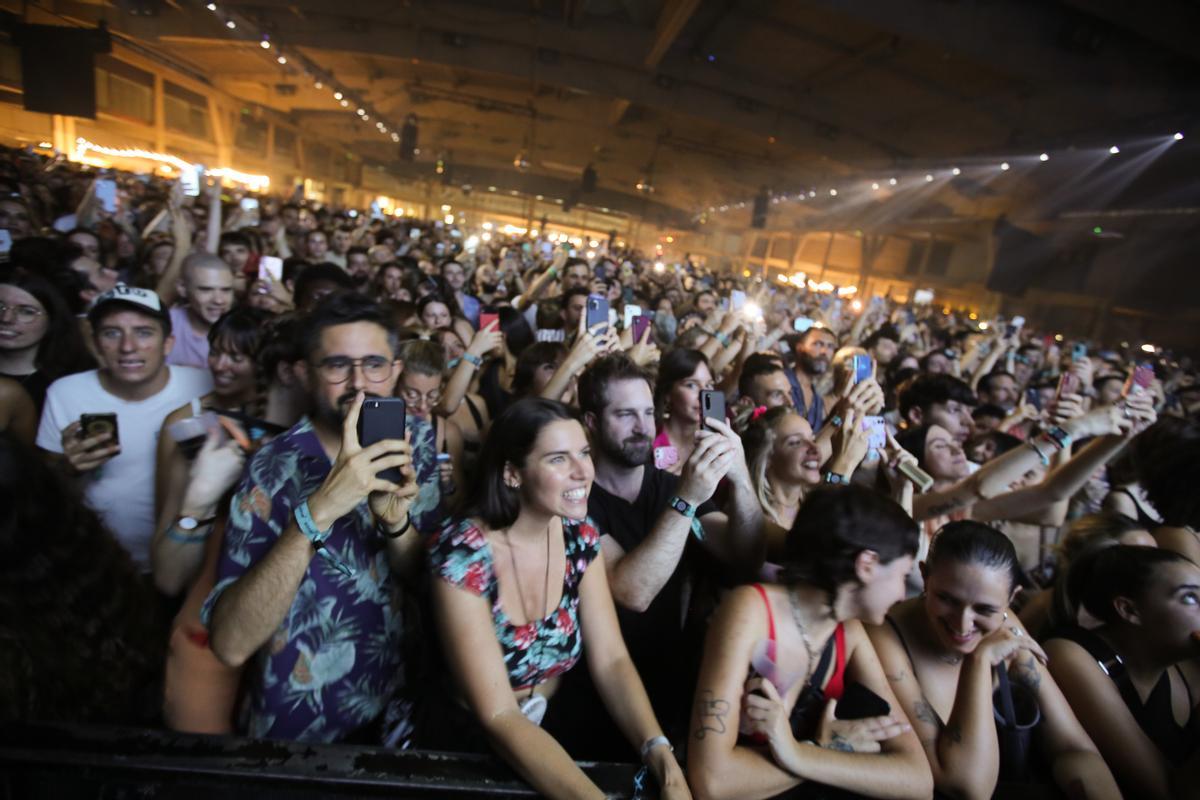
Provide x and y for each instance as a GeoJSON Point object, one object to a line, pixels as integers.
{"type": "Point", "coordinates": [808, 645]}
{"type": "Point", "coordinates": [512, 559]}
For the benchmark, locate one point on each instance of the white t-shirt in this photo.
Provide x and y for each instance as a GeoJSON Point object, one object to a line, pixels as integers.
{"type": "Point", "coordinates": [121, 490]}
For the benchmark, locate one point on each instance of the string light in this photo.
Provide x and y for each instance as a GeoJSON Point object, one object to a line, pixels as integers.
{"type": "Point", "coordinates": [1044, 157]}
{"type": "Point", "coordinates": [282, 60]}
{"type": "Point", "coordinates": [254, 182]}
{"type": "Point", "coordinates": [266, 45]}
{"type": "Point", "coordinates": [1005, 166]}
{"type": "Point", "coordinates": [230, 24]}
{"type": "Point", "coordinates": [1114, 149]}
{"type": "Point", "coordinates": [956, 171]}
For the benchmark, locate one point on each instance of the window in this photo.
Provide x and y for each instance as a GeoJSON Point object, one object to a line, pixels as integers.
{"type": "Point", "coordinates": [124, 90]}
{"type": "Point", "coordinates": [285, 144]}
{"type": "Point", "coordinates": [251, 135]}
{"type": "Point", "coordinates": [185, 111]}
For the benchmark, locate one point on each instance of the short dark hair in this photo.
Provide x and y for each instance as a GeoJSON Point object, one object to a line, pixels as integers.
{"type": "Point", "coordinates": [242, 329]}
{"type": "Point", "coordinates": [510, 440]}
{"type": "Point", "coordinates": [1168, 468]}
{"type": "Point", "coordinates": [517, 335]}
{"type": "Point", "coordinates": [834, 525]}
{"type": "Point", "coordinates": [888, 331]}
{"type": "Point", "coordinates": [530, 359]}
{"type": "Point", "coordinates": [574, 291]}
{"type": "Point", "coordinates": [1121, 570]}
{"type": "Point", "coordinates": [988, 410]}
{"type": "Point", "coordinates": [343, 308]}
{"type": "Point", "coordinates": [811, 332]}
{"type": "Point", "coordinates": [313, 274]}
{"type": "Point", "coordinates": [234, 238]}
{"type": "Point", "coordinates": [676, 365]}
{"type": "Point", "coordinates": [757, 364]}
{"type": "Point", "coordinates": [967, 542]}
{"type": "Point", "coordinates": [357, 250]}
{"type": "Point", "coordinates": [592, 392]}
{"type": "Point", "coordinates": [985, 383]}
{"type": "Point", "coordinates": [924, 391]}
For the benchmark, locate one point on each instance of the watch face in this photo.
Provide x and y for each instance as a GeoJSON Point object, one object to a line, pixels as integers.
{"type": "Point", "coordinates": [680, 505]}
{"type": "Point", "coordinates": [187, 523]}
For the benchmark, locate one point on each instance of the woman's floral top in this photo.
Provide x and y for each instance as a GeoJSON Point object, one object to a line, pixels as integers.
{"type": "Point", "coordinates": [538, 650]}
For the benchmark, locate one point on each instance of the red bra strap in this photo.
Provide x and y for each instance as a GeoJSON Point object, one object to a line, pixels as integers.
{"type": "Point", "coordinates": [837, 681]}
{"type": "Point", "coordinates": [770, 617]}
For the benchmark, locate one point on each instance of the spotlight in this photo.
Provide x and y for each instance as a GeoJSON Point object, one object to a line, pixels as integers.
{"type": "Point", "coordinates": [893, 181]}
{"type": "Point", "coordinates": [366, 118]}
{"type": "Point", "coordinates": [1004, 166]}
{"type": "Point", "coordinates": [1044, 157]}
{"type": "Point", "coordinates": [318, 85]}
{"type": "Point", "coordinates": [337, 95]}
{"type": "Point", "coordinates": [345, 103]}
{"type": "Point", "coordinates": [211, 6]}
{"type": "Point", "coordinates": [1114, 149]}
{"type": "Point", "coordinates": [1178, 137]}
{"type": "Point", "coordinates": [956, 171]}
{"type": "Point", "coordinates": [230, 24]}
{"type": "Point", "coordinates": [360, 112]}
{"type": "Point", "coordinates": [265, 44]}
{"type": "Point", "coordinates": [833, 192]}
{"type": "Point", "coordinates": [928, 178]}
{"type": "Point", "coordinates": [875, 186]}
{"type": "Point", "coordinates": [282, 60]}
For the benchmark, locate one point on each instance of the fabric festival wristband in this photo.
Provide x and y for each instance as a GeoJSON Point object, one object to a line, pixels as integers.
{"type": "Point", "coordinates": [472, 359]}
{"type": "Point", "coordinates": [1045, 458]}
{"type": "Point", "coordinates": [176, 535]}
{"type": "Point", "coordinates": [688, 510]}
{"type": "Point", "coordinates": [723, 338]}
{"type": "Point", "coordinates": [308, 527]}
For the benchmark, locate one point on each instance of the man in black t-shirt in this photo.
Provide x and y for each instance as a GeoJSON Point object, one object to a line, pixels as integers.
{"type": "Point", "coordinates": [658, 527]}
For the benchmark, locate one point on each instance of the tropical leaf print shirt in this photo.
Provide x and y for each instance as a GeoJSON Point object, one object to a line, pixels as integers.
{"type": "Point", "coordinates": [540, 649]}
{"type": "Point", "coordinates": [336, 658]}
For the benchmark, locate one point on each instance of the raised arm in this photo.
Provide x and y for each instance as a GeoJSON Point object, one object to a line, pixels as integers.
{"type": "Point", "coordinates": [485, 341]}
{"type": "Point", "coordinates": [737, 538]}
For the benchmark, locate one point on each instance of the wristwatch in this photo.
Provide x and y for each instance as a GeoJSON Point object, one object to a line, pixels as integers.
{"type": "Point", "coordinates": [833, 479]}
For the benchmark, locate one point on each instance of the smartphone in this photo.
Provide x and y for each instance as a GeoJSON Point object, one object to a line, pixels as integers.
{"type": "Point", "coordinates": [601, 272]}
{"type": "Point", "coordinates": [1079, 351]}
{"type": "Point", "coordinates": [1140, 379]}
{"type": "Point", "coordinates": [249, 204]}
{"type": "Point", "coordinates": [737, 299]}
{"type": "Point", "coordinates": [876, 430]}
{"type": "Point", "coordinates": [1034, 398]}
{"type": "Point", "coordinates": [802, 324]}
{"type": "Point", "coordinates": [861, 367]}
{"type": "Point", "coordinates": [640, 324]}
{"type": "Point", "coordinates": [382, 418]}
{"type": "Point", "coordinates": [487, 318]}
{"type": "Point", "coordinates": [547, 249]}
{"type": "Point", "coordinates": [631, 311]}
{"type": "Point", "coordinates": [920, 478]}
{"type": "Point", "coordinates": [859, 702]}
{"type": "Point", "coordinates": [97, 425]}
{"type": "Point", "coordinates": [190, 180]}
{"type": "Point", "coordinates": [922, 297]}
{"type": "Point", "coordinates": [1068, 383]}
{"type": "Point", "coordinates": [597, 312]}
{"type": "Point", "coordinates": [5, 241]}
{"type": "Point", "coordinates": [712, 405]}
{"type": "Point", "coordinates": [106, 194]}
{"type": "Point", "coordinates": [270, 268]}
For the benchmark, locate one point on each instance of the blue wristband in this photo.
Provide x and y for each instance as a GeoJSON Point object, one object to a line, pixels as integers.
{"type": "Point", "coordinates": [471, 358]}
{"type": "Point", "coordinates": [309, 528]}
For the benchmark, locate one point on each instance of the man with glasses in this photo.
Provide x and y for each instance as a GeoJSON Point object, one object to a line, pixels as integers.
{"type": "Point", "coordinates": [307, 582]}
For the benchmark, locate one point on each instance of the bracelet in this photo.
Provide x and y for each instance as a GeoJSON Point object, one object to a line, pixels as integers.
{"type": "Point", "coordinates": [308, 527]}
{"type": "Point", "coordinates": [1058, 436]}
{"type": "Point", "coordinates": [399, 533]}
{"type": "Point", "coordinates": [723, 338]}
{"type": "Point", "coordinates": [653, 742]}
{"type": "Point", "coordinates": [1033, 446]}
{"type": "Point", "coordinates": [472, 359]}
{"type": "Point", "coordinates": [553, 271]}
{"type": "Point", "coordinates": [831, 478]}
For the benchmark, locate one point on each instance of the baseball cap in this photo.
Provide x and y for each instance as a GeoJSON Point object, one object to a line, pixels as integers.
{"type": "Point", "coordinates": [143, 300]}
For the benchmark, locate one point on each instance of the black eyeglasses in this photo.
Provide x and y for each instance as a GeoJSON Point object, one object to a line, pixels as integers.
{"type": "Point", "coordinates": [337, 369]}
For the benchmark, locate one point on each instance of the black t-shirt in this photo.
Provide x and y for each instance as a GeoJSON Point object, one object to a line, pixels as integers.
{"type": "Point", "coordinates": [35, 385]}
{"type": "Point", "coordinates": [665, 652]}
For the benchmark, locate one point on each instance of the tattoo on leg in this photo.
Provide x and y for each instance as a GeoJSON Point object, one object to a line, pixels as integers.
{"type": "Point", "coordinates": [713, 711]}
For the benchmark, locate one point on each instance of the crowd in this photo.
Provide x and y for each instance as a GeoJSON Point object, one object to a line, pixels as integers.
{"type": "Point", "coordinates": [294, 471]}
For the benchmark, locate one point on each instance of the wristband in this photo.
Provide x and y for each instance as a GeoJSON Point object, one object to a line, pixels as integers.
{"type": "Point", "coordinates": [1033, 446]}
{"type": "Point", "coordinates": [653, 742]}
{"type": "Point", "coordinates": [1058, 436]}
{"type": "Point", "coordinates": [472, 359]}
{"type": "Point", "coordinates": [452, 363]}
{"type": "Point", "coordinates": [723, 338]}
{"type": "Point", "coordinates": [184, 529]}
{"type": "Point", "coordinates": [399, 533]}
{"type": "Point", "coordinates": [688, 510]}
{"type": "Point", "coordinates": [308, 527]}
{"type": "Point", "coordinates": [553, 271]}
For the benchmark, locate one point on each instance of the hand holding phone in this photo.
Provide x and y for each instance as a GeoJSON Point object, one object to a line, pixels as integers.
{"type": "Point", "coordinates": [712, 406]}
{"type": "Point", "coordinates": [379, 419]}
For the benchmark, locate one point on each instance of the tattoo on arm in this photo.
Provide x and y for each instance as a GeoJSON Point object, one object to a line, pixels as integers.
{"type": "Point", "coordinates": [713, 711]}
{"type": "Point", "coordinates": [1025, 672]}
{"type": "Point", "coordinates": [839, 742]}
{"type": "Point", "coordinates": [925, 713]}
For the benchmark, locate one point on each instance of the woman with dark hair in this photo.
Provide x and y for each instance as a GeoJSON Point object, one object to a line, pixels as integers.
{"type": "Point", "coordinates": [194, 466]}
{"type": "Point", "coordinates": [536, 367]}
{"type": "Point", "coordinates": [518, 583]}
{"type": "Point", "coordinates": [83, 639]}
{"type": "Point", "coordinates": [1134, 681]}
{"type": "Point", "coordinates": [39, 337]}
{"type": "Point", "coordinates": [779, 658]}
{"type": "Point", "coordinates": [682, 375]}
{"type": "Point", "coordinates": [497, 366]}
{"type": "Point", "coordinates": [944, 653]}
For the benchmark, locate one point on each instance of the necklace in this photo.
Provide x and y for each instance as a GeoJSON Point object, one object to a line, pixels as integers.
{"type": "Point", "coordinates": [808, 645]}
{"type": "Point", "coordinates": [517, 578]}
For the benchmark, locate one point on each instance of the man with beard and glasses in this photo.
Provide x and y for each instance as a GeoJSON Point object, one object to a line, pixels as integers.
{"type": "Point", "coordinates": [308, 584]}
{"type": "Point", "coordinates": [654, 524]}
{"type": "Point", "coordinates": [813, 353]}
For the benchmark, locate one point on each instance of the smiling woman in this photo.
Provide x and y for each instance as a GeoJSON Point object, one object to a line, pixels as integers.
{"type": "Point", "coordinates": [519, 582]}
